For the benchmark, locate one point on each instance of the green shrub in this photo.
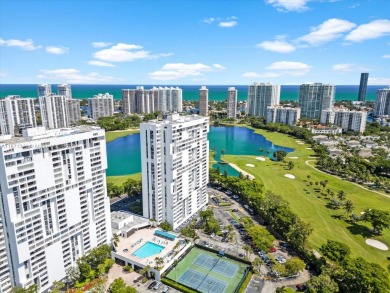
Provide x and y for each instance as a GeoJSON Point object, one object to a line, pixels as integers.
{"type": "Point", "coordinates": [245, 283]}
{"type": "Point", "coordinates": [78, 284]}
{"type": "Point", "coordinates": [177, 286]}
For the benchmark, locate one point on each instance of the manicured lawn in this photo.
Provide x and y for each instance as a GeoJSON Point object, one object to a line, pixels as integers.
{"type": "Point", "coordinates": [187, 263]}
{"type": "Point", "coordinates": [311, 206]}
{"type": "Point", "coordinates": [119, 180]}
{"type": "Point", "coordinates": [112, 135]}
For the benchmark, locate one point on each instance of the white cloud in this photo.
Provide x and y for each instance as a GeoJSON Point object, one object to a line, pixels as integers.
{"type": "Point", "coordinates": [289, 5]}
{"type": "Point", "coordinates": [379, 81]}
{"type": "Point", "coordinates": [100, 63]}
{"type": "Point", "coordinates": [56, 50]}
{"type": "Point", "coordinates": [71, 75]}
{"type": "Point", "coordinates": [3, 74]}
{"type": "Point", "coordinates": [27, 45]}
{"type": "Point", "coordinates": [329, 30]}
{"type": "Point", "coordinates": [100, 44]}
{"type": "Point", "coordinates": [209, 20]}
{"type": "Point", "coordinates": [123, 53]}
{"type": "Point", "coordinates": [259, 75]}
{"type": "Point", "coordinates": [348, 67]}
{"type": "Point", "coordinates": [173, 71]}
{"type": "Point", "coordinates": [372, 30]}
{"type": "Point", "coordinates": [386, 56]}
{"type": "Point", "coordinates": [290, 67]}
{"type": "Point", "coordinates": [227, 23]}
{"type": "Point", "coordinates": [279, 46]}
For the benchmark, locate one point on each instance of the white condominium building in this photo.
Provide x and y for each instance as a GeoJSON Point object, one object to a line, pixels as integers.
{"type": "Point", "coordinates": [54, 207]}
{"type": "Point", "coordinates": [231, 107]}
{"type": "Point", "coordinates": [315, 98]}
{"type": "Point", "coordinates": [141, 101]}
{"type": "Point", "coordinates": [44, 90]}
{"type": "Point", "coordinates": [101, 105]}
{"type": "Point", "coordinates": [285, 115]}
{"type": "Point", "coordinates": [261, 96]}
{"type": "Point", "coordinates": [345, 119]}
{"type": "Point", "coordinates": [382, 103]}
{"type": "Point", "coordinates": [175, 167]}
{"type": "Point", "coordinates": [54, 111]}
{"type": "Point", "coordinates": [16, 114]}
{"type": "Point", "coordinates": [74, 113]}
{"type": "Point", "coordinates": [64, 90]}
{"type": "Point", "coordinates": [203, 101]}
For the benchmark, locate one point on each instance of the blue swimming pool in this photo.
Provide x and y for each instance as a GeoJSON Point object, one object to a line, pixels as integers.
{"type": "Point", "coordinates": [148, 249]}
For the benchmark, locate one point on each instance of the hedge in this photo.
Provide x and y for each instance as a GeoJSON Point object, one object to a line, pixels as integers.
{"type": "Point", "coordinates": [246, 282]}
{"type": "Point", "coordinates": [178, 286]}
{"type": "Point", "coordinates": [226, 254]}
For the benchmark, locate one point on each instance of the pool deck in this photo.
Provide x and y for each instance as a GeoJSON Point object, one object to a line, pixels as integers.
{"type": "Point", "coordinates": [127, 246]}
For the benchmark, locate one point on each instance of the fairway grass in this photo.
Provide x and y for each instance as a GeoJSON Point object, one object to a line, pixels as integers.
{"type": "Point", "coordinates": [311, 206]}
{"type": "Point", "coordinates": [187, 262]}
{"type": "Point", "coordinates": [112, 135]}
{"type": "Point", "coordinates": [119, 180]}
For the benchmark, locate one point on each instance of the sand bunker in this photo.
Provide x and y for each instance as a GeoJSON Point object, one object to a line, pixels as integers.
{"type": "Point", "coordinates": [289, 176]}
{"type": "Point", "coordinates": [260, 159]}
{"type": "Point", "coordinates": [308, 148]}
{"type": "Point", "coordinates": [292, 157]}
{"type": "Point", "coordinates": [301, 143]}
{"type": "Point", "coordinates": [377, 244]}
{"type": "Point", "coordinates": [250, 165]}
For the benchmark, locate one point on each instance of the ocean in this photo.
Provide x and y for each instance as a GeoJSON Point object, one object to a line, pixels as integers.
{"type": "Point", "coordinates": [190, 92]}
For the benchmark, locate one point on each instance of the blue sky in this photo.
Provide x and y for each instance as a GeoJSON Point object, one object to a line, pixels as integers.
{"type": "Point", "coordinates": [194, 42]}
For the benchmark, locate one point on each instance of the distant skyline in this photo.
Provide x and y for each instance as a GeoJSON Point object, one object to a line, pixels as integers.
{"type": "Point", "coordinates": [194, 42]}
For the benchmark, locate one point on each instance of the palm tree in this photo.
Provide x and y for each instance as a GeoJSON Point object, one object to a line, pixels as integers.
{"type": "Point", "coordinates": [342, 195]}
{"type": "Point", "coordinates": [247, 250]}
{"type": "Point", "coordinates": [328, 191]}
{"type": "Point", "coordinates": [159, 261]}
{"type": "Point", "coordinates": [348, 207]}
{"type": "Point", "coordinates": [257, 262]}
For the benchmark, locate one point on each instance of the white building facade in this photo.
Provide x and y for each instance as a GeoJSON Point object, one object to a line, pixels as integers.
{"type": "Point", "coordinates": [175, 167]}
{"type": "Point", "coordinates": [231, 107]}
{"type": "Point", "coordinates": [64, 90]}
{"type": "Point", "coordinates": [101, 105]}
{"type": "Point", "coordinates": [44, 90]}
{"type": "Point", "coordinates": [16, 114]}
{"type": "Point", "coordinates": [54, 111]}
{"type": "Point", "coordinates": [315, 98]}
{"type": "Point", "coordinates": [261, 96]}
{"type": "Point", "coordinates": [345, 119]}
{"type": "Point", "coordinates": [203, 103]}
{"type": "Point", "coordinates": [54, 205]}
{"type": "Point", "coordinates": [285, 115]}
{"type": "Point", "coordinates": [74, 113]}
{"type": "Point", "coordinates": [382, 103]}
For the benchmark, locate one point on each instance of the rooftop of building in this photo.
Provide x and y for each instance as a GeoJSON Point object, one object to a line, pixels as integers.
{"type": "Point", "coordinates": [41, 133]}
{"type": "Point", "coordinates": [127, 221]}
{"type": "Point", "coordinates": [177, 119]}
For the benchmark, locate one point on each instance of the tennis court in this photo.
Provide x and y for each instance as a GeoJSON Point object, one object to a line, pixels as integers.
{"type": "Point", "coordinates": [207, 272]}
{"type": "Point", "coordinates": [216, 264]}
{"type": "Point", "coordinates": [202, 282]}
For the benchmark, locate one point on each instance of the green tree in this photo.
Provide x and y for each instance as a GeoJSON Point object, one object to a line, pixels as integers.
{"type": "Point", "coordinates": [119, 286]}
{"type": "Point", "coordinates": [279, 155]}
{"type": "Point", "coordinates": [257, 263]}
{"type": "Point", "coordinates": [378, 219]}
{"type": "Point", "coordinates": [30, 289]}
{"type": "Point", "coordinates": [284, 290]}
{"type": "Point", "coordinates": [247, 250]}
{"type": "Point", "coordinates": [132, 186]}
{"type": "Point", "coordinates": [322, 284]}
{"type": "Point", "coordinates": [335, 251]}
{"type": "Point", "coordinates": [341, 195]}
{"type": "Point", "coordinates": [294, 265]}
{"type": "Point", "coordinates": [57, 287]}
{"type": "Point", "coordinates": [159, 261]}
{"type": "Point", "coordinates": [165, 226]}
{"type": "Point", "coordinates": [298, 234]}
{"type": "Point", "coordinates": [212, 226]}
{"type": "Point", "coordinates": [85, 269]}
{"type": "Point", "coordinates": [290, 165]}
{"type": "Point", "coordinates": [348, 207]}
{"type": "Point", "coordinates": [72, 274]}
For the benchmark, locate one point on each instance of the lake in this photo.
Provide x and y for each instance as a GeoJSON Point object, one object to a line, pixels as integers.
{"type": "Point", "coordinates": [124, 154]}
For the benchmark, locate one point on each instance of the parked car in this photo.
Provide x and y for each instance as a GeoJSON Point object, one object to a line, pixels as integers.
{"type": "Point", "coordinates": [157, 286]}
{"type": "Point", "coordinates": [166, 289]}
{"type": "Point", "coordinates": [272, 249]}
{"type": "Point", "coordinates": [301, 287]}
{"type": "Point", "coordinates": [151, 285]}
{"type": "Point", "coordinates": [234, 210]}
{"type": "Point", "coordinates": [280, 259]}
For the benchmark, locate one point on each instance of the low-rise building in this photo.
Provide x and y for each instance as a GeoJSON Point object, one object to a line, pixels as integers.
{"type": "Point", "coordinates": [285, 115]}
{"type": "Point", "coordinates": [369, 144]}
{"type": "Point", "coordinates": [322, 129]}
{"type": "Point", "coordinates": [346, 119]}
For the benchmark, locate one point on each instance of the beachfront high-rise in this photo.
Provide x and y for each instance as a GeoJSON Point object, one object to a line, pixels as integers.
{"type": "Point", "coordinates": [74, 113]}
{"type": "Point", "coordinates": [16, 114]}
{"type": "Point", "coordinates": [64, 90]}
{"type": "Point", "coordinates": [54, 111]}
{"type": "Point", "coordinates": [203, 101]}
{"type": "Point", "coordinates": [285, 115]}
{"type": "Point", "coordinates": [101, 105]}
{"type": "Point", "coordinates": [382, 103]}
{"type": "Point", "coordinates": [44, 90]}
{"type": "Point", "coordinates": [315, 98]}
{"type": "Point", "coordinates": [54, 201]}
{"type": "Point", "coordinates": [363, 87]}
{"type": "Point", "coordinates": [175, 167]}
{"type": "Point", "coordinates": [142, 101]}
{"type": "Point", "coordinates": [261, 96]}
{"type": "Point", "coordinates": [231, 107]}
{"type": "Point", "coordinates": [345, 119]}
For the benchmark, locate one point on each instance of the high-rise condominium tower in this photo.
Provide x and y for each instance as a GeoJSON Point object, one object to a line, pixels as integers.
{"type": "Point", "coordinates": [382, 103]}
{"type": "Point", "coordinates": [101, 105]}
{"type": "Point", "coordinates": [54, 203]}
{"type": "Point", "coordinates": [74, 113]}
{"type": "Point", "coordinates": [64, 90]}
{"type": "Point", "coordinates": [175, 167]}
{"type": "Point", "coordinates": [315, 98]}
{"type": "Point", "coordinates": [163, 99]}
{"type": "Point", "coordinates": [231, 109]}
{"type": "Point", "coordinates": [54, 111]}
{"type": "Point", "coordinates": [44, 90]}
{"type": "Point", "coordinates": [203, 101]}
{"type": "Point", "coordinates": [16, 114]}
{"type": "Point", "coordinates": [261, 96]}
{"type": "Point", "coordinates": [363, 87]}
